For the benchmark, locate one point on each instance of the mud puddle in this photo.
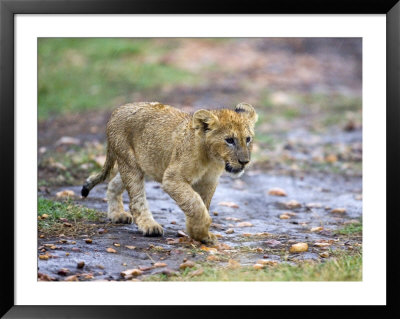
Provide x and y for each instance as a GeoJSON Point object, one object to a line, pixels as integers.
{"type": "Point", "coordinates": [258, 230]}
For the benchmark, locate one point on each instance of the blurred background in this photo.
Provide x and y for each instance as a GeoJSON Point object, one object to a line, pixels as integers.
{"type": "Point", "coordinates": [307, 92]}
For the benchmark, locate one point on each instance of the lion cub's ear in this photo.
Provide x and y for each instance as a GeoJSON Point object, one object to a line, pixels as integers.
{"type": "Point", "coordinates": [206, 120]}
{"type": "Point", "coordinates": [247, 110]}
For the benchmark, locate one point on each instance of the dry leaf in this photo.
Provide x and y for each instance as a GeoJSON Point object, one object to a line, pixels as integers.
{"type": "Point", "coordinates": [111, 250]}
{"type": "Point", "coordinates": [229, 231]}
{"type": "Point", "coordinates": [229, 204]}
{"type": "Point", "coordinates": [292, 204]}
{"type": "Point", "coordinates": [322, 244]}
{"type": "Point", "coordinates": [267, 262]}
{"type": "Point", "coordinates": [277, 192]}
{"type": "Point", "coordinates": [325, 254]}
{"type": "Point", "coordinates": [131, 272]}
{"type": "Point", "coordinates": [298, 248]}
{"type": "Point", "coordinates": [339, 210]}
{"type": "Point", "coordinates": [284, 216]}
{"type": "Point", "coordinates": [130, 247]}
{"type": "Point", "coordinates": [159, 265]}
{"type": "Point", "coordinates": [43, 257]}
{"type": "Point", "coordinates": [244, 224]}
{"type": "Point", "coordinates": [258, 266]}
{"type": "Point", "coordinates": [187, 264]}
{"type": "Point", "coordinates": [314, 229]}
{"type": "Point", "coordinates": [65, 193]}
{"type": "Point", "coordinates": [197, 272]}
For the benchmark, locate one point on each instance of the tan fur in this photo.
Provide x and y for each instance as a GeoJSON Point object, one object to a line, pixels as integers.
{"type": "Point", "coordinates": [185, 153]}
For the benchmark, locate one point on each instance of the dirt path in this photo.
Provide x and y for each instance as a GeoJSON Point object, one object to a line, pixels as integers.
{"type": "Point", "coordinates": [268, 237]}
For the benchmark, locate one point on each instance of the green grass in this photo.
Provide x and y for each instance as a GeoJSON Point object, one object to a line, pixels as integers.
{"type": "Point", "coordinates": [350, 229]}
{"type": "Point", "coordinates": [77, 74]}
{"type": "Point", "coordinates": [344, 267]}
{"type": "Point", "coordinates": [75, 214]}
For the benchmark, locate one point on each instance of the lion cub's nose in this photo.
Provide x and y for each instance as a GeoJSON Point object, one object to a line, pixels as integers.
{"type": "Point", "coordinates": [243, 162]}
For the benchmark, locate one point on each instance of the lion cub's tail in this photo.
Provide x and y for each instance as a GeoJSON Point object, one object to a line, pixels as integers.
{"type": "Point", "coordinates": [93, 180]}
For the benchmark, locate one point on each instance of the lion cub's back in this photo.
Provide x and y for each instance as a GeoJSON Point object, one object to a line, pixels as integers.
{"type": "Point", "coordinates": [153, 125]}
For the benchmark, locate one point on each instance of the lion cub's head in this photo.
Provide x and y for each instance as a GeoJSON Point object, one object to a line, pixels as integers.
{"type": "Point", "coordinates": [228, 135]}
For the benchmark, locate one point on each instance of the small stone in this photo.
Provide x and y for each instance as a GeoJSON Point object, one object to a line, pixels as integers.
{"type": "Point", "coordinates": [44, 216]}
{"type": "Point", "coordinates": [229, 204]}
{"type": "Point", "coordinates": [215, 213]}
{"type": "Point", "coordinates": [159, 265]}
{"type": "Point", "coordinates": [80, 264]}
{"type": "Point", "coordinates": [88, 241]}
{"type": "Point", "coordinates": [284, 216]}
{"type": "Point", "coordinates": [72, 278]}
{"type": "Point", "coordinates": [315, 229]}
{"type": "Point", "coordinates": [111, 250]}
{"type": "Point", "coordinates": [230, 231]}
{"type": "Point", "coordinates": [130, 247]}
{"type": "Point", "coordinates": [117, 244]}
{"type": "Point", "coordinates": [67, 254]}
{"type": "Point", "coordinates": [43, 257]}
{"type": "Point", "coordinates": [173, 222]}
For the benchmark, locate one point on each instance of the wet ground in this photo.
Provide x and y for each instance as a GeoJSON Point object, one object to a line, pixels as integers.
{"type": "Point", "coordinates": [310, 203]}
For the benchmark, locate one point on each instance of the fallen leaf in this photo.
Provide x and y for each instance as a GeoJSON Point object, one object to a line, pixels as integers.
{"type": "Point", "coordinates": [63, 271]}
{"type": "Point", "coordinates": [131, 272]}
{"type": "Point", "coordinates": [187, 264]}
{"type": "Point", "coordinates": [324, 254]}
{"type": "Point", "coordinates": [320, 244]}
{"type": "Point", "coordinates": [111, 250]}
{"type": "Point", "coordinates": [292, 204]}
{"type": "Point", "coordinates": [298, 248]}
{"type": "Point", "coordinates": [159, 265]}
{"type": "Point", "coordinates": [197, 272]}
{"type": "Point", "coordinates": [67, 140]}
{"type": "Point", "coordinates": [277, 192]}
{"type": "Point", "coordinates": [339, 210]}
{"type": "Point", "coordinates": [284, 216]}
{"type": "Point", "coordinates": [43, 257]}
{"type": "Point", "coordinates": [209, 249]}
{"type": "Point", "coordinates": [244, 224]}
{"type": "Point", "coordinates": [44, 216]}
{"type": "Point", "coordinates": [117, 244]}
{"type": "Point", "coordinates": [258, 266]}
{"type": "Point", "coordinates": [273, 243]}
{"type": "Point", "coordinates": [72, 278]}
{"type": "Point", "coordinates": [331, 158]}
{"type": "Point", "coordinates": [233, 264]}
{"type": "Point", "coordinates": [229, 231]}
{"type": "Point", "coordinates": [229, 204]}
{"type": "Point", "coordinates": [314, 229]}
{"type": "Point", "coordinates": [314, 205]}
{"type": "Point", "coordinates": [212, 258]}
{"type": "Point", "coordinates": [65, 193]}
{"type": "Point", "coordinates": [173, 222]}
{"type": "Point", "coordinates": [181, 233]}
{"type": "Point", "coordinates": [130, 247]}
{"type": "Point", "coordinates": [233, 219]}
{"type": "Point", "coordinates": [267, 262]}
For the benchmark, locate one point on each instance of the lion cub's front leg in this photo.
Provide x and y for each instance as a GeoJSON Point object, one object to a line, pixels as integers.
{"type": "Point", "coordinates": [198, 220]}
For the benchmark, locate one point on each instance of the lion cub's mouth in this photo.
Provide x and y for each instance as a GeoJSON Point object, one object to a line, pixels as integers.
{"type": "Point", "coordinates": [232, 170]}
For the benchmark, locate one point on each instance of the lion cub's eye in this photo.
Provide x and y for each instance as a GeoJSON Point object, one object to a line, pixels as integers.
{"type": "Point", "coordinates": [248, 139]}
{"type": "Point", "coordinates": [230, 141]}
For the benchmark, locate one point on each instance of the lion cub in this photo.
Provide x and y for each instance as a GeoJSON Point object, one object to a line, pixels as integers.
{"type": "Point", "coordinates": [185, 153]}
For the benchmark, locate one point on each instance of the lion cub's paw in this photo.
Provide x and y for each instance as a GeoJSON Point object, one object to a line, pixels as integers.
{"type": "Point", "coordinates": [151, 229]}
{"type": "Point", "coordinates": [121, 218]}
{"type": "Point", "coordinates": [210, 240]}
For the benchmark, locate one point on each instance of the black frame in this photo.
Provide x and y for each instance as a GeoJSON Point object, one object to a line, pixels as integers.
{"type": "Point", "coordinates": [10, 7]}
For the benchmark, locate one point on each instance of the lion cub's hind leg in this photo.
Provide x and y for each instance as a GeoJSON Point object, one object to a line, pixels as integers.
{"type": "Point", "coordinates": [133, 178]}
{"type": "Point", "coordinates": [116, 210]}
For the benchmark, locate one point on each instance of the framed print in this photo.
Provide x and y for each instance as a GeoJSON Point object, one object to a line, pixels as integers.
{"type": "Point", "coordinates": [166, 155]}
